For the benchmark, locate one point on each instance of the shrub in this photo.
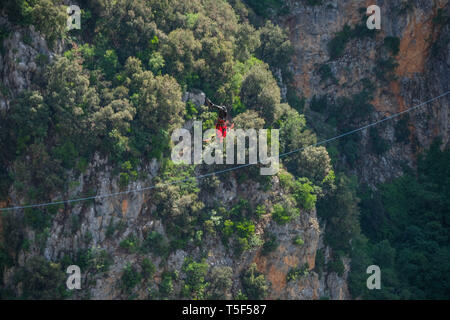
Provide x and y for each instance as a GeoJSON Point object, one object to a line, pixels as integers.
{"type": "Point", "coordinates": [392, 43]}
{"type": "Point", "coordinates": [260, 211]}
{"type": "Point", "coordinates": [384, 69]}
{"type": "Point", "coordinates": [294, 99]}
{"type": "Point", "coordinates": [271, 244]}
{"type": "Point", "coordinates": [286, 180]}
{"type": "Point", "coordinates": [109, 63]}
{"type": "Point", "coordinates": [195, 278]}
{"type": "Point", "coordinates": [5, 261]}
{"type": "Point", "coordinates": [130, 277]}
{"type": "Point", "coordinates": [49, 18]}
{"type": "Point", "coordinates": [341, 213]}
{"type": "Point", "coordinates": [67, 153]}
{"type": "Point", "coordinates": [336, 265]}
{"type": "Point", "coordinates": [325, 73]}
{"type": "Point", "coordinates": [101, 260]}
{"type": "Point", "coordinates": [241, 246]}
{"type": "Point", "coordinates": [337, 45]}
{"type": "Point", "coordinates": [276, 48]}
{"type": "Point", "coordinates": [166, 286]}
{"type": "Point", "coordinates": [130, 244]}
{"type": "Point", "coordinates": [148, 268]}
{"type": "Point", "coordinates": [240, 210]}
{"type": "Point", "coordinates": [314, 2]}
{"type": "Point", "coordinates": [318, 104]}
{"type": "Point", "coordinates": [319, 262]}
{"type": "Point", "coordinates": [402, 130]}
{"type": "Point", "coordinates": [314, 163]}
{"type": "Point", "coordinates": [260, 92]}
{"type": "Point", "coordinates": [248, 120]}
{"type": "Point", "coordinates": [156, 62]}
{"type": "Point", "coordinates": [155, 243]}
{"type": "Point", "coordinates": [38, 219]}
{"type": "Point", "coordinates": [255, 241]}
{"type": "Point", "coordinates": [42, 279]}
{"type": "Point", "coordinates": [441, 18]}
{"type": "Point", "coordinates": [254, 284]}
{"type": "Point", "coordinates": [297, 272]}
{"type": "Point", "coordinates": [298, 241]}
{"type": "Point", "coordinates": [241, 296]}
{"type": "Point", "coordinates": [245, 229]}
{"type": "Point", "coordinates": [265, 7]}
{"type": "Point", "coordinates": [379, 145]}
{"type": "Point", "coordinates": [4, 33]}
{"type": "Point", "coordinates": [128, 174]}
{"type": "Point", "coordinates": [221, 280]}
{"type": "Point", "coordinates": [191, 111]}
{"type": "Point", "coordinates": [305, 194]}
{"type": "Point", "coordinates": [284, 215]}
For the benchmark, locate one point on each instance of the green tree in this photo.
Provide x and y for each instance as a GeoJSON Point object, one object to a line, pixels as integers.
{"type": "Point", "coordinates": [159, 108]}
{"type": "Point", "coordinates": [195, 284]}
{"type": "Point", "coordinates": [305, 194]}
{"type": "Point", "coordinates": [284, 213]}
{"type": "Point", "coordinates": [248, 120]}
{"type": "Point", "coordinates": [314, 163]}
{"type": "Point", "coordinates": [29, 116]}
{"type": "Point", "coordinates": [71, 100]}
{"type": "Point", "coordinates": [155, 243]}
{"type": "Point", "coordinates": [127, 26]}
{"type": "Point", "coordinates": [294, 133]}
{"type": "Point", "coordinates": [181, 52]}
{"type": "Point", "coordinates": [42, 279]}
{"type": "Point", "coordinates": [166, 286]}
{"type": "Point", "coordinates": [46, 177]}
{"type": "Point", "coordinates": [340, 209]}
{"type": "Point", "coordinates": [49, 18]}
{"type": "Point", "coordinates": [254, 284]}
{"type": "Point", "coordinates": [220, 282]}
{"type": "Point", "coordinates": [247, 41]}
{"type": "Point", "coordinates": [275, 48]}
{"type": "Point", "coordinates": [260, 92]}
{"type": "Point", "coordinates": [109, 63]}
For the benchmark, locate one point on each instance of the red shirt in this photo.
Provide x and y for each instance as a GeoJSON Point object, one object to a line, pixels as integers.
{"type": "Point", "coordinates": [221, 127]}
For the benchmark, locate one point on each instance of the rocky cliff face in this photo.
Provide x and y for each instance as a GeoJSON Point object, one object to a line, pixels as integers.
{"type": "Point", "coordinates": [422, 72]}
{"type": "Point", "coordinates": [21, 60]}
{"type": "Point", "coordinates": [86, 226]}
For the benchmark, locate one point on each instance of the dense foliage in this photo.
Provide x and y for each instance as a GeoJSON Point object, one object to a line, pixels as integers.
{"type": "Point", "coordinates": [407, 224]}
{"type": "Point", "coordinates": [116, 94]}
{"type": "Point", "coordinates": [402, 227]}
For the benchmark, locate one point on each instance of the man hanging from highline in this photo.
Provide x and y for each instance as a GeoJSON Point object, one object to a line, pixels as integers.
{"type": "Point", "coordinates": [222, 121]}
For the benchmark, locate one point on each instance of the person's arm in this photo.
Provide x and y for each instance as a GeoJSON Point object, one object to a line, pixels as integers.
{"type": "Point", "coordinates": [209, 103]}
{"type": "Point", "coordinates": [212, 105]}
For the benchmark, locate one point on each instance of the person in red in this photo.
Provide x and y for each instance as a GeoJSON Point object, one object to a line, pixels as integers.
{"type": "Point", "coordinates": [222, 121]}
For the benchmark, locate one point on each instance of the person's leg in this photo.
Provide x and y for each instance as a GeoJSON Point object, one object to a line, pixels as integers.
{"type": "Point", "coordinates": [219, 132]}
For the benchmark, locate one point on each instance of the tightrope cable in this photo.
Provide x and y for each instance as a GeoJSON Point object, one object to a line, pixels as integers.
{"type": "Point", "coordinates": [102, 196]}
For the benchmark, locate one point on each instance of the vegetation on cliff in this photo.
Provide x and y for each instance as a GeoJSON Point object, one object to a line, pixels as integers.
{"type": "Point", "coordinates": [117, 91]}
